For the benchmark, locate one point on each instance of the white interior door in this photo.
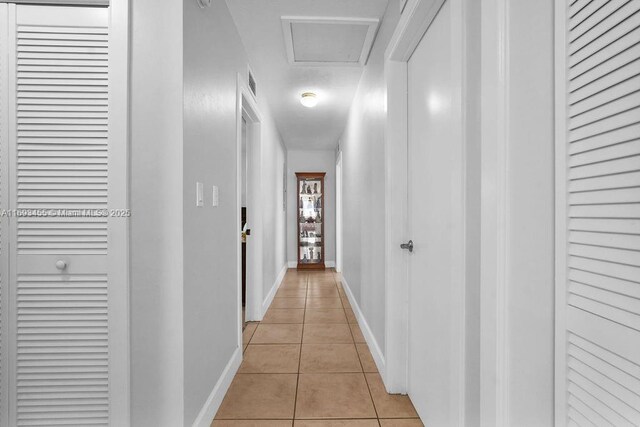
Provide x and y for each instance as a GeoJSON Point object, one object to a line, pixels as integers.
{"type": "Point", "coordinates": [431, 153]}
{"type": "Point", "coordinates": [598, 213]}
{"type": "Point", "coordinates": [66, 335]}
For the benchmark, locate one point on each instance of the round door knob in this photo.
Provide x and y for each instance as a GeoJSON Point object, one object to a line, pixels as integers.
{"type": "Point", "coordinates": [61, 265]}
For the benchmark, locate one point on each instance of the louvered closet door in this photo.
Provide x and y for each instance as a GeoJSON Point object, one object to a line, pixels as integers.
{"type": "Point", "coordinates": [60, 160]}
{"type": "Point", "coordinates": [598, 205]}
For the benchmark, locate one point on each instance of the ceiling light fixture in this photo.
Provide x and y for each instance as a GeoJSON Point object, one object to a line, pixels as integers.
{"type": "Point", "coordinates": [309, 99]}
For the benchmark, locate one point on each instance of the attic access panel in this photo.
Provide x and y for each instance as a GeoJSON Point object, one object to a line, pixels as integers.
{"type": "Point", "coordinates": [328, 41]}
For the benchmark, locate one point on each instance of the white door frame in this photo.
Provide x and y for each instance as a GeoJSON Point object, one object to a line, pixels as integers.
{"type": "Point", "coordinates": [4, 220]}
{"type": "Point", "coordinates": [414, 22]}
{"type": "Point", "coordinates": [119, 260]}
{"type": "Point", "coordinates": [247, 107]}
{"type": "Point", "coordinates": [339, 212]}
{"type": "Point", "coordinates": [494, 369]}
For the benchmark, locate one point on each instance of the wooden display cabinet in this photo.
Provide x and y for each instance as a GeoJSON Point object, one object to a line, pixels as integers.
{"type": "Point", "coordinates": [311, 217]}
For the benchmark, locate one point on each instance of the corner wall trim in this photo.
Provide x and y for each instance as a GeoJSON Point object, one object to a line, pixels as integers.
{"type": "Point", "coordinates": [211, 406]}
{"type": "Point", "coordinates": [376, 352]}
{"type": "Point", "coordinates": [272, 293]}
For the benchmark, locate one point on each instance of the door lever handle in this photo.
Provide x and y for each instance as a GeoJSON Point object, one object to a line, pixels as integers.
{"type": "Point", "coordinates": [408, 246]}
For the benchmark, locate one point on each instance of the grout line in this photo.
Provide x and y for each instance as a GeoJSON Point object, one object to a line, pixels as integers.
{"type": "Point", "coordinates": [304, 314]}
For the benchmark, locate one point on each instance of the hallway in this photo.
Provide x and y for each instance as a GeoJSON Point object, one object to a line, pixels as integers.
{"type": "Point", "coordinates": [308, 360]}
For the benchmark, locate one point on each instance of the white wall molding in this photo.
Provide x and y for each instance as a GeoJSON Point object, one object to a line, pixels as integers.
{"type": "Point", "coordinates": [272, 293]}
{"type": "Point", "coordinates": [374, 347]}
{"type": "Point", "coordinates": [210, 408]}
{"type": "Point", "coordinates": [494, 352]}
{"type": "Point", "coordinates": [330, 264]}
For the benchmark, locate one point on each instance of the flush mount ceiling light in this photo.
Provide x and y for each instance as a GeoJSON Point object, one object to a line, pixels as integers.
{"type": "Point", "coordinates": [309, 99]}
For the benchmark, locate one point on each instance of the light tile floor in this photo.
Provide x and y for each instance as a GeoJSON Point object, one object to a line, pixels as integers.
{"type": "Point", "coordinates": [307, 365]}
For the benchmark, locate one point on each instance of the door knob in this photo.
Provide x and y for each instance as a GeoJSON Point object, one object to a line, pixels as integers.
{"type": "Point", "coordinates": [61, 265]}
{"type": "Point", "coordinates": [408, 246]}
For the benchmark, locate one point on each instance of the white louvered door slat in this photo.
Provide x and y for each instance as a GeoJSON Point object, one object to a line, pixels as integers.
{"type": "Point", "coordinates": [598, 213]}
{"type": "Point", "coordinates": [60, 149]}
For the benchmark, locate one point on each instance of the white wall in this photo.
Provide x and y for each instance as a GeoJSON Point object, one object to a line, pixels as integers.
{"type": "Point", "coordinates": [156, 206]}
{"type": "Point", "coordinates": [363, 198]}
{"type": "Point", "coordinates": [531, 213]}
{"type": "Point", "coordinates": [184, 292]}
{"type": "Point", "coordinates": [274, 256]}
{"type": "Point", "coordinates": [210, 234]}
{"type": "Point", "coordinates": [517, 298]}
{"type": "Point", "coordinates": [311, 161]}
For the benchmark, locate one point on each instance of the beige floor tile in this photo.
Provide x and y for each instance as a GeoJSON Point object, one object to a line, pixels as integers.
{"type": "Point", "coordinates": [322, 285]}
{"type": "Point", "coordinates": [327, 334]}
{"type": "Point", "coordinates": [251, 423]}
{"type": "Point", "coordinates": [325, 315]}
{"type": "Point", "coordinates": [313, 302]}
{"type": "Point", "coordinates": [366, 358]}
{"type": "Point", "coordinates": [318, 358]}
{"type": "Point", "coordinates": [277, 334]}
{"type": "Point", "coordinates": [389, 405]}
{"type": "Point", "coordinates": [333, 396]}
{"type": "Point", "coordinates": [294, 285]}
{"type": "Point", "coordinates": [271, 359]}
{"type": "Point", "coordinates": [335, 423]}
{"type": "Point", "coordinates": [288, 303]}
{"type": "Point", "coordinates": [328, 292]}
{"type": "Point", "coordinates": [259, 396]}
{"type": "Point", "coordinates": [284, 315]}
{"type": "Point", "coordinates": [357, 333]}
{"type": "Point", "coordinates": [291, 293]}
{"type": "Point", "coordinates": [248, 332]}
{"type": "Point", "coordinates": [294, 282]}
{"type": "Point", "coordinates": [401, 423]}
{"type": "Point", "coordinates": [351, 317]}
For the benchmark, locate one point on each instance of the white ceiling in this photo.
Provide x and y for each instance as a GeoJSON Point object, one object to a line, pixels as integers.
{"type": "Point", "coordinates": [260, 26]}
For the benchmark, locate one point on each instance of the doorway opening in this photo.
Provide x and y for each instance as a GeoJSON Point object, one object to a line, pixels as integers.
{"type": "Point", "coordinates": [339, 213]}
{"type": "Point", "coordinates": [246, 231]}
{"type": "Point", "coordinates": [248, 208]}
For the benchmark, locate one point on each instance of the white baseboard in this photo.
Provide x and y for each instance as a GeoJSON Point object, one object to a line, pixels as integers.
{"type": "Point", "coordinates": [376, 352]}
{"type": "Point", "coordinates": [272, 293]}
{"type": "Point", "coordinates": [210, 408]}
{"type": "Point", "coordinates": [293, 264]}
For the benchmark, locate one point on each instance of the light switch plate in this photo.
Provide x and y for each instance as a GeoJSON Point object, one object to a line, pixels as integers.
{"type": "Point", "coordinates": [199, 194]}
{"type": "Point", "coordinates": [216, 196]}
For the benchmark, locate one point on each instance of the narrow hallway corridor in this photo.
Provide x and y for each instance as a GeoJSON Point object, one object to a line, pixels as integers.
{"type": "Point", "coordinates": [308, 360]}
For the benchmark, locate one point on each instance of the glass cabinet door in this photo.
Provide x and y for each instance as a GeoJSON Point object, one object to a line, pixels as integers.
{"type": "Point", "coordinates": [310, 220]}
